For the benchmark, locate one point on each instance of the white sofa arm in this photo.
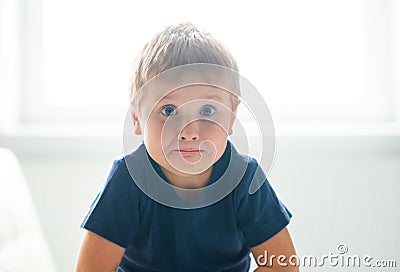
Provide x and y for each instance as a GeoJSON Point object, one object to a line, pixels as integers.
{"type": "Point", "coordinates": [22, 243]}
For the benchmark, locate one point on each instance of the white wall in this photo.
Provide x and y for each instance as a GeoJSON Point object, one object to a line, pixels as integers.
{"type": "Point", "coordinates": [341, 190]}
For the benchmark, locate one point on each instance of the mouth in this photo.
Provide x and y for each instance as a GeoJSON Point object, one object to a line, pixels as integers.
{"type": "Point", "coordinates": [189, 151]}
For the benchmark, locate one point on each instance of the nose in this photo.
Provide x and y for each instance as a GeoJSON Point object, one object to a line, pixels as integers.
{"type": "Point", "coordinates": [190, 132]}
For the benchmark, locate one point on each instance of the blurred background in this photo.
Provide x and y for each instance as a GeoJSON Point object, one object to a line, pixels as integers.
{"type": "Point", "coordinates": [328, 70]}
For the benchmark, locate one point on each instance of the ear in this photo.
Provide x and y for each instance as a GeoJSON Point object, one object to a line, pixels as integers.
{"type": "Point", "coordinates": [136, 123]}
{"type": "Point", "coordinates": [233, 118]}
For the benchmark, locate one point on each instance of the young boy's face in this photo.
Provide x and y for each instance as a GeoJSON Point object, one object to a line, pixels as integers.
{"type": "Point", "coordinates": [186, 131]}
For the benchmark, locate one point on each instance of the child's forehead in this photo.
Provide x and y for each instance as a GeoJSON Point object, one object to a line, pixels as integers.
{"type": "Point", "coordinates": [193, 76]}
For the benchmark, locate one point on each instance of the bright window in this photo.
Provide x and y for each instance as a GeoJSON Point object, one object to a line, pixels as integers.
{"type": "Point", "coordinates": [312, 60]}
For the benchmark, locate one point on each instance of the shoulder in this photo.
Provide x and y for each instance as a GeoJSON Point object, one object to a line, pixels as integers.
{"type": "Point", "coordinates": [242, 157]}
{"type": "Point", "coordinates": [125, 165]}
{"type": "Point", "coordinates": [250, 170]}
{"type": "Point", "coordinates": [121, 175]}
{"type": "Point", "coordinates": [118, 174]}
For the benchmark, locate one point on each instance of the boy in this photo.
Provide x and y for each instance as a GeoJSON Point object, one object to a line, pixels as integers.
{"type": "Point", "coordinates": [156, 211]}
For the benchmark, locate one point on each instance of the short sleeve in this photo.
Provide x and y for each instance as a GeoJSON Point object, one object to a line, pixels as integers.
{"type": "Point", "coordinates": [260, 215]}
{"type": "Point", "coordinates": [115, 212]}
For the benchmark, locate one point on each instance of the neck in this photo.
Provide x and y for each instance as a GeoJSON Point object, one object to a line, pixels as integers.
{"type": "Point", "coordinates": [185, 181]}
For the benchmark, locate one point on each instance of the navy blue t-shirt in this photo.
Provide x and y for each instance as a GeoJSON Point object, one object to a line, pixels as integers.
{"type": "Point", "coordinates": [157, 237]}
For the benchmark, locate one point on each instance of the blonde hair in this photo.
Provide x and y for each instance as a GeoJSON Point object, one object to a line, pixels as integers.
{"type": "Point", "coordinates": [178, 45]}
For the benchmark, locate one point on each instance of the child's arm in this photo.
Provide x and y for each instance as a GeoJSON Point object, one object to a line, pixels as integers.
{"type": "Point", "coordinates": [270, 250]}
{"type": "Point", "coordinates": [98, 254]}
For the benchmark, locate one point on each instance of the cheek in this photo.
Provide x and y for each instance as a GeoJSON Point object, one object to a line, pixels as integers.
{"type": "Point", "coordinates": [156, 131]}
{"type": "Point", "coordinates": [216, 134]}
{"type": "Point", "coordinates": [212, 130]}
{"type": "Point", "coordinates": [152, 131]}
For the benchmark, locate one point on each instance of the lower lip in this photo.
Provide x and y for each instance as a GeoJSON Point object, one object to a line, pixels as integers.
{"type": "Point", "coordinates": [190, 151]}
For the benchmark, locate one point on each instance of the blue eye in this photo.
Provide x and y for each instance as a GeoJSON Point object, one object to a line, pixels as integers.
{"type": "Point", "coordinates": [168, 110]}
{"type": "Point", "coordinates": [207, 110]}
